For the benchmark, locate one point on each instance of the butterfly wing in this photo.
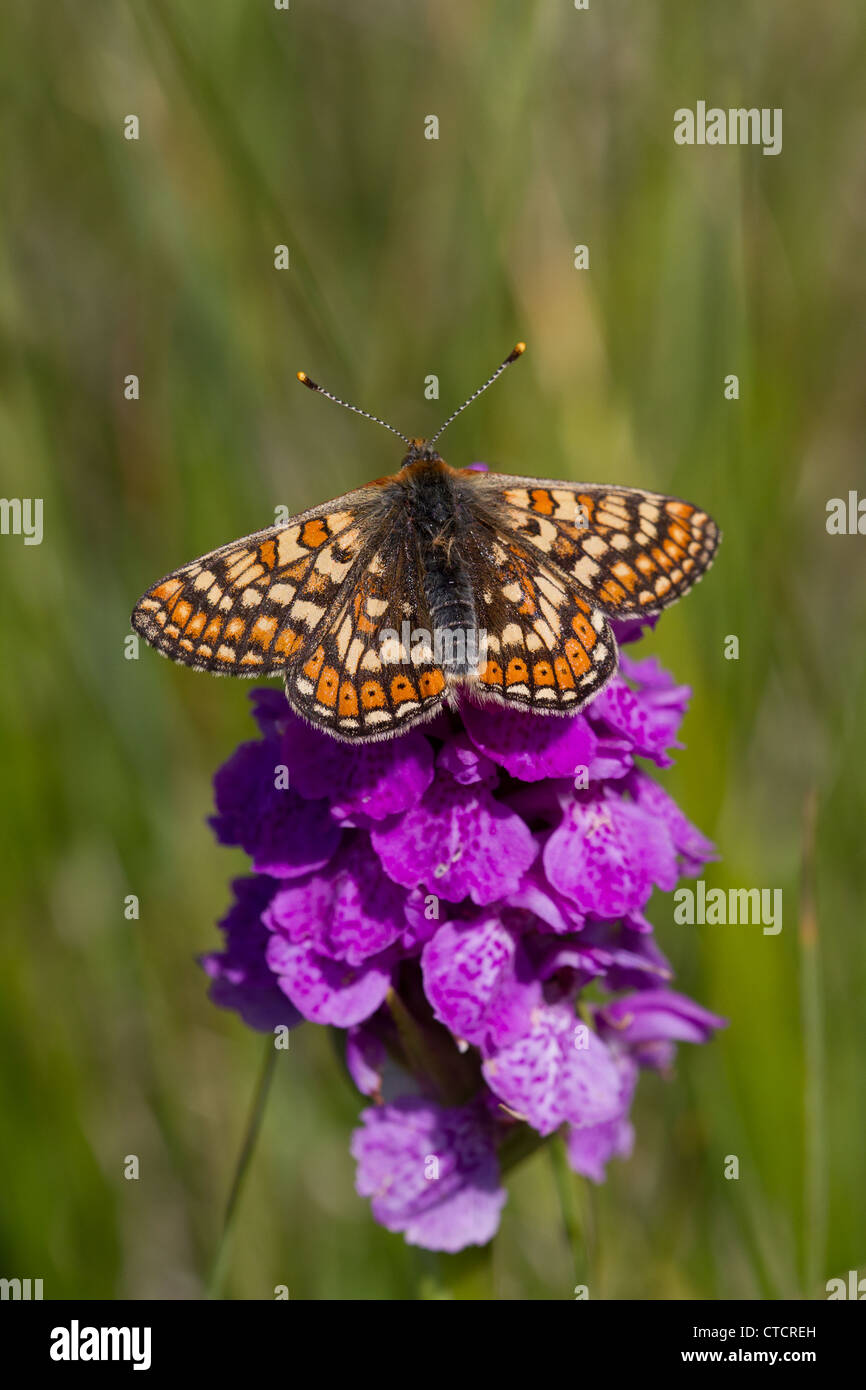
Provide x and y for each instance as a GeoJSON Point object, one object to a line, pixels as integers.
{"type": "Point", "coordinates": [360, 675]}
{"type": "Point", "coordinates": [633, 552]}
{"type": "Point", "coordinates": [314, 601]}
{"type": "Point", "coordinates": [246, 608]}
{"type": "Point", "coordinates": [549, 648]}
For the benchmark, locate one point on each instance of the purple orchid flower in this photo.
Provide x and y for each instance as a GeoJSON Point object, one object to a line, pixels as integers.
{"type": "Point", "coordinates": [444, 899]}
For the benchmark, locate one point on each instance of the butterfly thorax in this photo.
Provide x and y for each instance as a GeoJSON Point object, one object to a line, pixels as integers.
{"type": "Point", "coordinates": [438, 517]}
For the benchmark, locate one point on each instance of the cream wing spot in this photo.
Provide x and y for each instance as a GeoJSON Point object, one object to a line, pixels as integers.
{"type": "Point", "coordinates": [585, 571]}
{"type": "Point", "coordinates": [344, 637]}
{"type": "Point", "coordinates": [288, 549]}
{"type": "Point", "coordinates": [306, 612]}
{"type": "Point", "coordinates": [353, 656]}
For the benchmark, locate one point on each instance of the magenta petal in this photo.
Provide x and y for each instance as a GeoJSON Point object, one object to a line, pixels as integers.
{"type": "Point", "coordinates": [591, 1148]}
{"type": "Point", "coordinates": [536, 895]}
{"type": "Point", "coordinates": [350, 912]}
{"type": "Point", "coordinates": [365, 1058]}
{"type": "Point", "coordinates": [328, 991]}
{"type": "Point", "coordinates": [473, 980]}
{"type": "Point", "coordinates": [375, 779]}
{"type": "Point", "coordinates": [457, 842]}
{"type": "Point", "coordinates": [285, 835]}
{"type": "Point", "coordinates": [606, 856]}
{"type": "Point", "coordinates": [527, 746]}
{"type": "Point", "coordinates": [431, 1172]}
{"type": "Point", "coordinates": [459, 757]}
{"type": "Point", "coordinates": [547, 1078]}
{"type": "Point", "coordinates": [694, 849]}
{"type": "Point", "coordinates": [657, 1015]}
{"type": "Point", "coordinates": [627, 715]}
{"type": "Point", "coordinates": [241, 978]}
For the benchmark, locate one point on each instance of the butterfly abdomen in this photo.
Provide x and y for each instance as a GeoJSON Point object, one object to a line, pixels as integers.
{"type": "Point", "coordinates": [436, 514]}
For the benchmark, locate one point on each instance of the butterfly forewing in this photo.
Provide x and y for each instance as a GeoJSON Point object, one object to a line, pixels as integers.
{"type": "Point", "coordinates": [248, 607]}
{"type": "Point", "coordinates": [634, 552]}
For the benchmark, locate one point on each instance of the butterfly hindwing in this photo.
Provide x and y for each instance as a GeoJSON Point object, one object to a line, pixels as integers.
{"type": "Point", "coordinates": [634, 552]}
{"type": "Point", "coordinates": [548, 646]}
{"type": "Point", "coordinates": [368, 670]}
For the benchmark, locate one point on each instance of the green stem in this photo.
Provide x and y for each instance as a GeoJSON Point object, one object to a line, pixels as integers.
{"type": "Point", "coordinates": [464, 1277]}
{"type": "Point", "coordinates": [569, 1205]}
{"type": "Point", "coordinates": [814, 1144]}
{"type": "Point", "coordinates": [254, 1124]}
{"type": "Point", "coordinates": [519, 1144]}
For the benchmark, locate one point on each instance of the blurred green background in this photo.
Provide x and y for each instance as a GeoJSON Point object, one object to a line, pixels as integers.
{"type": "Point", "coordinates": [411, 257]}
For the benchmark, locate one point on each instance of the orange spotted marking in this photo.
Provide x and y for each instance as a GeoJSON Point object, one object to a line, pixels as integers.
{"type": "Point", "coordinates": [664, 560]}
{"type": "Point", "coordinates": [372, 695]}
{"type": "Point", "coordinates": [585, 630]}
{"type": "Point", "coordinates": [402, 689]}
{"type": "Point", "coordinates": [314, 533]}
{"type": "Point", "coordinates": [542, 501]}
{"type": "Point", "coordinates": [263, 630]}
{"type": "Point", "coordinates": [577, 657]}
{"type": "Point", "coordinates": [314, 665]}
{"type": "Point", "coordinates": [287, 642]}
{"type": "Point", "coordinates": [563, 675]}
{"type": "Point", "coordinates": [326, 690]}
{"type": "Point", "coordinates": [348, 701]}
{"type": "Point", "coordinates": [431, 683]}
{"type": "Point", "coordinates": [626, 575]}
{"type": "Point", "coordinates": [492, 673]}
{"type": "Point", "coordinates": [516, 672]}
{"type": "Point", "coordinates": [168, 589]}
{"type": "Point", "coordinates": [613, 592]}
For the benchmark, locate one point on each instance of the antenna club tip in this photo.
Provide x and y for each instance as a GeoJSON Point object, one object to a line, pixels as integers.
{"type": "Point", "coordinates": [517, 351]}
{"type": "Point", "coordinates": [305, 380]}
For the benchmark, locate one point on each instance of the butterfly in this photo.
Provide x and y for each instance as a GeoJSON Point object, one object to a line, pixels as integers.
{"type": "Point", "coordinates": [377, 608]}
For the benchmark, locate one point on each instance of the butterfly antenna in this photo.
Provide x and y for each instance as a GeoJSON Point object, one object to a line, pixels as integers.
{"type": "Point", "coordinates": [516, 351]}
{"type": "Point", "coordinates": [302, 377]}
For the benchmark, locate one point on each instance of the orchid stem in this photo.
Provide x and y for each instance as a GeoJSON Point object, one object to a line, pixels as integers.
{"type": "Point", "coordinates": [254, 1124]}
{"type": "Point", "coordinates": [569, 1206]}
{"type": "Point", "coordinates": [815, 1156]}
